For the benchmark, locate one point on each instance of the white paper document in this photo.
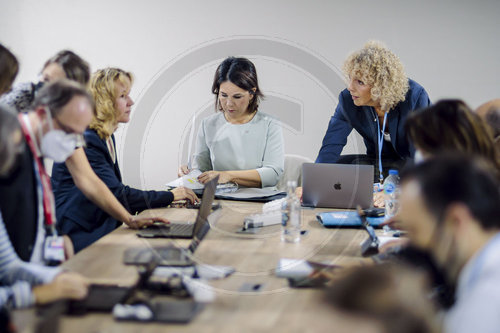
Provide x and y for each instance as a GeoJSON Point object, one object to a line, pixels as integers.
{"type": "Point", "coordinates": [293, 268]}
{"type": "Point", "coordinates": [190, 181]}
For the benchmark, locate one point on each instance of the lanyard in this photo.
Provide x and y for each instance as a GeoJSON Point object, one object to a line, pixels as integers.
{"type": "Point", "coordinates": [381, 145]}
{"type": "Point", "coordinates": [48, 196]}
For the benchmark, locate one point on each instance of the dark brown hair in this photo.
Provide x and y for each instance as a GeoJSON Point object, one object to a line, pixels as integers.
{"type": "Point", "coordinates": [57, 94]}
{"type": "Point", "coordinates": [9, 67]}
{"type": "Point", "coordinates": [8, 126]}
{"type": "Point", "coordinates": [75, 68]}
{"type": "Point", "coordinates": [393, 295]}
{"type": "Point", "coordinates": [456, 178]}
{"type": "Point", "coordinates": [242, 73]}
{"type": "Point", "coordinates": [451, 126]}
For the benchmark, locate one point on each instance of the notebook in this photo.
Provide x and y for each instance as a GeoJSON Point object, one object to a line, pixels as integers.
{"type": "Point", "coordinates": [337, 185]}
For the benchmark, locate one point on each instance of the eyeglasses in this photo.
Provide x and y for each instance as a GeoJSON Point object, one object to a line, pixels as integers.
{"type": "Point", "coordinates": [79, 139]}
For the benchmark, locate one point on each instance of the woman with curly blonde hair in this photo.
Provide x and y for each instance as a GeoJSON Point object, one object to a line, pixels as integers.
{"type": "Point", "coordinates": [79, 218]}
{"type": "Point", "coordinates": [378, 98]}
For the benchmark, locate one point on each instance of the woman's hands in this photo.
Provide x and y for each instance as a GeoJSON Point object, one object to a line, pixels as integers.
{"type": "Point", "coordinates": [181, 193]}
{"type": "Point", "coordinates": [144, 220]}
{"type": "Point", "coordinates": [224, 176]}
{"type": "Point", "coordinates": [183, 170]}
{"type": "Point", "coordinates": [148, 218]}
{"type": "Point", "coordinates": [65, 285]}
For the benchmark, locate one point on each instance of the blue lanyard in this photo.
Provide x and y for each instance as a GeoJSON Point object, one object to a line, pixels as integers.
{"type": "Point", "coordinates": [380, 145]}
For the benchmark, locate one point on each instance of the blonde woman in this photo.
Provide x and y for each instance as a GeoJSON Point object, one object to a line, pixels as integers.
{"type": "Point", "coordinates": [378, 98]}
{"type": "Point", "coordinates": [79, 218]}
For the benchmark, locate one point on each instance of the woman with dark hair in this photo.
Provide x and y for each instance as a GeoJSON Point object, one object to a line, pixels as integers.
{"type": "Point", "coordinates": [239, 144]}
{"type": "Point", "coordinates": [450, 126]}
{"type": "Point", "coordinates": [64, 65]}
{"type": "Point", "coordinates": [9, 67]}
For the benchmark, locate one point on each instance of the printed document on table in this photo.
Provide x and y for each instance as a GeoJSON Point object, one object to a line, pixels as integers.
{"type": "Point", "coordinates": [190, 181]}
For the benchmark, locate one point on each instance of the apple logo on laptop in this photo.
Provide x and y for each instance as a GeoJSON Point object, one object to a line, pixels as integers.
{"type": "Point", "coordinates": [337, 186]}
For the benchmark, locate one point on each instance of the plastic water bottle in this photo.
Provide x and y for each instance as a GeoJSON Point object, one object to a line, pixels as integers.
{"type": "Point", "coordinates": [290, 215]}
{"type": "Point", "coordinates": [391, 192]}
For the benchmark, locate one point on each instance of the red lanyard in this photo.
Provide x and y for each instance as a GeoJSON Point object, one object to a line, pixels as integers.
{"type": "Point", "coordinates": [48, 195]}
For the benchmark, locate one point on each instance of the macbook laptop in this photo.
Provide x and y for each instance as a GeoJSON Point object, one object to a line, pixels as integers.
{"type": "Point", "coordinates": [170, 255]}
{"type": "Point", "coordinates": [184, 229]}
{"type": "Point", "coordinates": [337, 185]}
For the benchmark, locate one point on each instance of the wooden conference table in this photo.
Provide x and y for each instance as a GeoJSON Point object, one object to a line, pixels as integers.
{"type": "Point", "coordinates": [275, 307]}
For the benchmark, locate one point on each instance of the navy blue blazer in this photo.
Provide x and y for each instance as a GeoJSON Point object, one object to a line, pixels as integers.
{"type": "Point", "coordinates": [348, 116]}
{"type": "Point", "coordinates": [81, 219]}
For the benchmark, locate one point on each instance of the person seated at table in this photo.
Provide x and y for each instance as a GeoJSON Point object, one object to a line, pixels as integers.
{"type": "Point", "coordinates": [451, 126]}
{"type": "Point", "coordinates": [23, 284]}
{"type": "Point", "coordinates": [67, 64]}
{"type": "Point", "coordinates": [63, 65]}
{"type": "Point", "coordinates": [378, 99]}
{"type": "Point", "coordinates": [386, 298]}
{"type": "Point", "coordinates": [78, 217]}
{"type": "Point", "coordinates": [63, 110]}
{"type": "Point", "coordinates": [240, 143]}
{"type": "Point", "coordinates": [450, 208]}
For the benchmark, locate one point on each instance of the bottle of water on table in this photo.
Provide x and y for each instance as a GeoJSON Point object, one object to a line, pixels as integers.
{"type": "Point", "coordinates": [391, 193]}
{"type": "Point", "coordinates": [290, 215]}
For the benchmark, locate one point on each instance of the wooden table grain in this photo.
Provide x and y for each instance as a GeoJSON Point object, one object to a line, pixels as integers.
{"type": "Point", "coordinates": [274, 307]}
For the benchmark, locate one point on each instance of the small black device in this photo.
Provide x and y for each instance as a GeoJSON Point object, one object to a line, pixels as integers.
{"type": "Point", "coordinates": [370, 246]}
{"type": "Point", "coordinates": [374, 212]}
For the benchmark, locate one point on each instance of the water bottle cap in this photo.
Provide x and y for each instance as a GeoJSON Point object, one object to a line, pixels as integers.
{"type": "Point", "coordinates": [393, 172]}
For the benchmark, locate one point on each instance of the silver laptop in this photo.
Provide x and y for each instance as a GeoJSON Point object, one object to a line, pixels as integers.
{"type": "Point", "coordinates": [337, 185]}
{"type": "Point", "coordinates": [184, 229]}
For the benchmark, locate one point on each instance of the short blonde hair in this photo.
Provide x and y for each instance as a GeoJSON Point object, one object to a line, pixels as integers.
{"type": "Point", "coordinates": [102, 88]}
{"type": "Point", "coordinates": [377, 66]}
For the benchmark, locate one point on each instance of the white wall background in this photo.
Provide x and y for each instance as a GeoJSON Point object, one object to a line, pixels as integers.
{"type": "Point", "coordinates": [450, 47]}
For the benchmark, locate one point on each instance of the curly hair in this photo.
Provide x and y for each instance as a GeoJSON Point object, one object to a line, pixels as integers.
{"type": "Point", "coordinates": [379, 67]}
{"type": "Point", "coordinates": [102, 88]}
{"type": "Point", "coordinates": [450, 125]}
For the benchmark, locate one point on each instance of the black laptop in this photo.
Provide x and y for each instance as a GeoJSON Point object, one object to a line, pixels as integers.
{"type": "Point", "coordinates": [184, 229]}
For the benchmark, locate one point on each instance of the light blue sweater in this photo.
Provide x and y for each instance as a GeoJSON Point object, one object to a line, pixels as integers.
{"type": "Point", "coordinates": [257, 145]}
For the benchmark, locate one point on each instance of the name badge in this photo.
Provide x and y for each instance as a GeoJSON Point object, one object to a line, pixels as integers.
{"type": "Point", "coordinates": [54, 249]}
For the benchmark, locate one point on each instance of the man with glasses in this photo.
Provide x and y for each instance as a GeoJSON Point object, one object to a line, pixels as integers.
{"type": "Point", "coordinates": [450, 207]}
{"type": "Point", "coordinates": [61, 113]}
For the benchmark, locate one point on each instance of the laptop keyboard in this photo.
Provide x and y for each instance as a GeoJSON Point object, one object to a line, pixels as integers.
{"type": "Point", "coordinates": [181, 229]}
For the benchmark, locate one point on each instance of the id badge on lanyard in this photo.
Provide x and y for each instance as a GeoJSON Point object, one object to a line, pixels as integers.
{"type": "Point", "coordinates": [53, 250]}
{"type": "Point", "coordinates": [53, 245]}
